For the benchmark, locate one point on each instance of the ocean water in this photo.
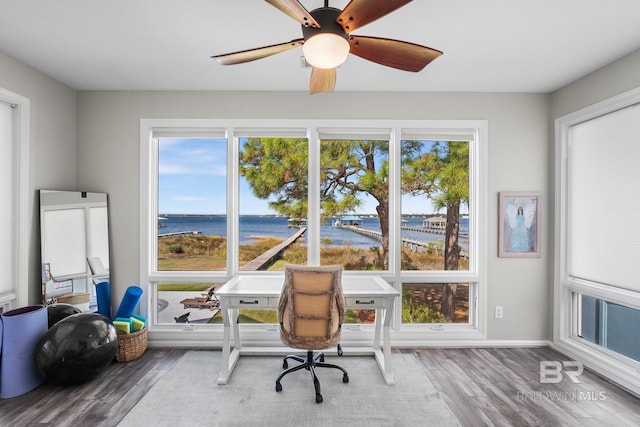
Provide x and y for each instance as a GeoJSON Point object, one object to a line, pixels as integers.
{"type": "Point", "coordinates": [252, 226]}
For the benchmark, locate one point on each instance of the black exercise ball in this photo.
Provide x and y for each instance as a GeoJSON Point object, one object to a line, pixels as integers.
{"type": "Point", "coordinates": [57, 312]}
{"type": "Point", "coordinates": [77, 348]}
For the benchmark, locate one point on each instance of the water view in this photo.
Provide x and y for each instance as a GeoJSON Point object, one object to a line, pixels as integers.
{"type": "Point", "coordinates": [252, 226]}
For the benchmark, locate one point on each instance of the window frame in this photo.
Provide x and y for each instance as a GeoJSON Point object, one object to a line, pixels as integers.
{"type": "Point", "coordinates": [566, 288]}
{"type": "Point", "coordinates": [19, 200]}
{"type": "Point", "coordinates": [314, 130]}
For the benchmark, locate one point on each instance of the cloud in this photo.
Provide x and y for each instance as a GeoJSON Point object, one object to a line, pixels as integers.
{"type": "Point", "coordinates": [193, 157]}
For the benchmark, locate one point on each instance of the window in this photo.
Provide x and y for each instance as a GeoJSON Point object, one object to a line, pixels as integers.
{"type": "Point", "coordinates": [192, 216]}
{"type": "Point", "coordinates": [400, 199]}
{"type": "Point", "coordinates": [188, 228]}
{"type": "Point", "coordinates": [597, 297]}
{"type": "Point", "coordinates": [435, 227]}
{"type": "Point", "coordinates": [609, 325]}
{"type": "Point", "coordinates": [435, 303]}
{"type": "Point", "coordinates": [354, 203]}
{"type": "Point", "coordinates": [272, 202]}
{"type": "Point", "coordinates": [14, 144]}
{"type": "Point", "coordinates": [435, 205]}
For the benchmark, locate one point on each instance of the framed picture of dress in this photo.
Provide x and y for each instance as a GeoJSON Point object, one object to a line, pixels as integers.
{"type": "Point", "coordinates": [519, 227]}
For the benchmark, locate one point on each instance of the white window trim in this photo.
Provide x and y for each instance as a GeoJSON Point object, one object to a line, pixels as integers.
{"type": "Point", "coordinates": [456, 129]}
{"type": "Point", "coordinates": [624, 371]}
{"type": "Point", "coordinates": [20, 200]}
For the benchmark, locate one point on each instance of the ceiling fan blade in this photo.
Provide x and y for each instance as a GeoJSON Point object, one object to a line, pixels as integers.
{"type": "Point", "coordinates": [294, 9]}
{"type": "Point", "coordinates": [361, 12]}
{"type": "Point", "coordinates": [322, 80]}
{"type": "Point", "coordinates": [257, 53]}
{"type": "Point", "coordinates": [393, 53]}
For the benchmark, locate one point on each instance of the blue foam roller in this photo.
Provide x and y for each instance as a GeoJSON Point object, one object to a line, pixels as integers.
{"type": "Point", "coordinates": [103, 295]}
{"type": "Point", "coordinates": [22, 330]}
{"type": "Point", "coordinates": [129, 302]}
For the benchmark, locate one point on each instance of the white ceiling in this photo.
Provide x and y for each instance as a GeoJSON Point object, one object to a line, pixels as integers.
{"type": "Point", "coordinates": [489, 45]}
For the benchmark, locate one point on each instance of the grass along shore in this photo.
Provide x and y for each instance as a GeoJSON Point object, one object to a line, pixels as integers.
{"type": "Point", "coordinates": [421, 303]}
{"type": "Point", "coordinates": [197, 252]}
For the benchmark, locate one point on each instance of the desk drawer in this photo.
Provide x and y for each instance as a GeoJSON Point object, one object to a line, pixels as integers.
{"type": "Point", "coordinates": [364, 302]}
{"type": "Point", "coordinates": [253, 302]}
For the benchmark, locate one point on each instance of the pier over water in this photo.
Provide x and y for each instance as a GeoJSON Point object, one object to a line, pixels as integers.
{"type": "Point", "coordinates": [261, 261]}
{"type": "Point", "coordinates": [414, 245]}
{"type": "Point", "coordinates": [181, 233]}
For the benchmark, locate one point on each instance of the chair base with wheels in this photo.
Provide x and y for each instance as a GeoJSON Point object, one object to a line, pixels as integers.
{"type": "Point", "coordinates": [312, 361]}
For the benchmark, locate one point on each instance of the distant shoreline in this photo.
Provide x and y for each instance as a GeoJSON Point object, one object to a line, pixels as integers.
{"type": "Point", "coordinates": [364, 215]}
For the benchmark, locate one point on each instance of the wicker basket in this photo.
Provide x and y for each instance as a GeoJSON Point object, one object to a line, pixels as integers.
{"type": "Point", "coordinates": [131, 346]}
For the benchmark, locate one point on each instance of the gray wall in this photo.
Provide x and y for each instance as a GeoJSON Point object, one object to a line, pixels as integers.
{"type": "Point", "coordinates": [108, 160]}
{"type": "Point", "coordinates": [614, 79]}
{"type": "Point", "coordinates": [52, 155]}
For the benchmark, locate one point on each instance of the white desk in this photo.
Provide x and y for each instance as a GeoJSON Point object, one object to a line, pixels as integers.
{"type": "Point", "coordinates": [254, 292]}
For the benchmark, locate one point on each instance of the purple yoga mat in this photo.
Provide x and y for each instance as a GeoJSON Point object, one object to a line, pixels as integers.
{"type": "Point", "coordinates": [22, 329]}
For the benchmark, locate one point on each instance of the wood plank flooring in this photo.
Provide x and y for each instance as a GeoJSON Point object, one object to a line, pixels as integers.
{"type": "Point", "coordinates": [103, 401]}
{"type": "Point", "coordinates": [483, 387]}
{"type": "Point", "coordinates": [501, 387]}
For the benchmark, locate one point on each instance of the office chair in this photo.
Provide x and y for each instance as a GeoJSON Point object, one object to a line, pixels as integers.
{"type": "Point", "coordinates": [311, 313]}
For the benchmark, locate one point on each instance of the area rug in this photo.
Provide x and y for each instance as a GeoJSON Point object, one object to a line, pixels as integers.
{"type": "Point", "coordinates": [189, 396]}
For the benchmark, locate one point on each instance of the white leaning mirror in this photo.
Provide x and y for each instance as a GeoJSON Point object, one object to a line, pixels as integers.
{"type": "Point", "coordinates": [74, 234]}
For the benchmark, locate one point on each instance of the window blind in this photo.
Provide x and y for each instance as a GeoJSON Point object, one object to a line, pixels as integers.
{"type": "Point", "coordinates": [604, 199]}
{"type": "Point", "coordinates": [99, 229]}
{"type": "Point", "coordinates": [8, 195]}
{"type": "Point", "coordinates": [65, 241]}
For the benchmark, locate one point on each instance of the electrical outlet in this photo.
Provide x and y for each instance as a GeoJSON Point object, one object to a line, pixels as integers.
{"type": "Point", "coordinates": [499, 313]}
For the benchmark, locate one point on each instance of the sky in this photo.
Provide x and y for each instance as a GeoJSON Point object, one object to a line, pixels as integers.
{"type": "Point", "coordinates": [193, 176]}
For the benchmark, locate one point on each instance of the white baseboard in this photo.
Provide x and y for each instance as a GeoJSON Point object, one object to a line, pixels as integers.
{"type": "Point", "coordinates": [472, 343]}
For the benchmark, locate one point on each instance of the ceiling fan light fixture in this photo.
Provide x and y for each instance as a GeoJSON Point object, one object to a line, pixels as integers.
{"type": "Point", "coordinates": [326, 41]}
{"type": "Point", "coordinates": [326, 50]}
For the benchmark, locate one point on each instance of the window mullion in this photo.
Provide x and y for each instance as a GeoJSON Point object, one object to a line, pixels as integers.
{"type": "Point", "coordinates": [395, 206]}
{"type": "Point", "coordinates": [313, 198]}
{"type": "Point", "coordinates": [233, 203]}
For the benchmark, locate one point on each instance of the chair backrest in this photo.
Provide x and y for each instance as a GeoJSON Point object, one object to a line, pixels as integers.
{"type": "Point", "coordinates": [311, 307]}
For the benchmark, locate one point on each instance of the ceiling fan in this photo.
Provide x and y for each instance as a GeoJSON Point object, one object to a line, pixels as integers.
{"type": "Point", "coordinates": [327, 41]}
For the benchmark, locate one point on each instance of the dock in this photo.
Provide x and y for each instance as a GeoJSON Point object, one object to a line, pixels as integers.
{"type": "Point", "coordinates": [414, 245]}
{"type": "Point", "coordinates": [181, 233]}
{"type": "Point", "coordinates": [264, 259]}
{"type": "Point", "coordinates": [432, 230]}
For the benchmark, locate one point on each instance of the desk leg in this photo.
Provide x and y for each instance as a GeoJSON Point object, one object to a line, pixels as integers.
{"type": "Point", "coordinates": [383, 355]}
{"type": "Point", "coordinates": [229, 358]}
{"type": "Point", "coordinates": [235, 327]}
{"type": "Point", "coordinates": [388, 370]}
{"type": "Point", "coordinates": [376, 334]}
